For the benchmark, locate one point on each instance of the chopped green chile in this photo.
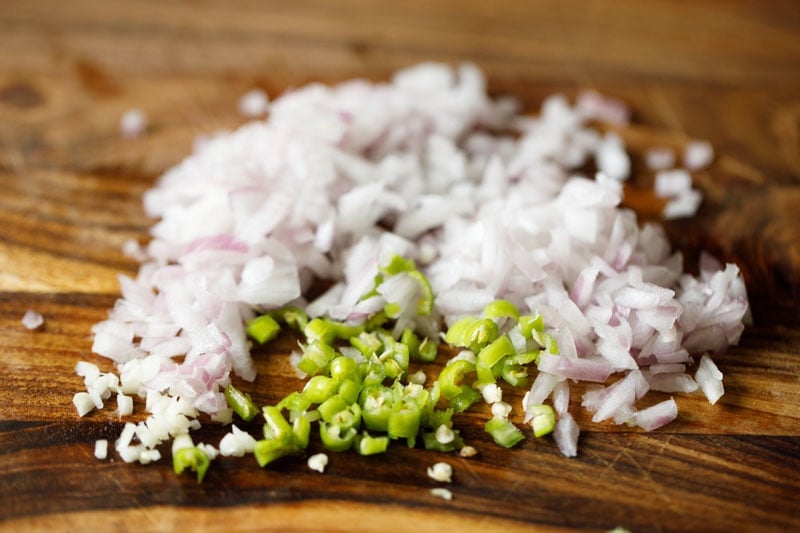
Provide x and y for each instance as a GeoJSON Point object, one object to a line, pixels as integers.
{"type": "Point", "coordinates": [376, 405]}
{"type": "Point", "coordinates": [263, 329]}
{"type": "Point", "coordinates": [528, 324]}
{"type": "Point", "coordinates": [399, 355]}
{"type": "Point", "coordinates": [372, 372]}
{"type": "Point", "coordinates": [294, 317]}
{"type": "Point", "coordinates": [524, 358]}
{"type": "Point", "coordinates": [301, 431]}
{"type": "Point", "coordinates": [316, 358]}
{"type": "Point", "coordinates": [394, 358]}
{"type": "Point", "coordinates": [392, 369]}
{"type": "Point", "coordinates": [551, 344]}
{"type": "Point", "coordinates": [331, 406]}
{"type": "Point", "coordinates": [464, 401]}
{"type": "Point", "coordinates": [396, 265]}
{"type": "Point", "coordinates": [294, 402]}
{"type": "Point", "coordinates": [425, 305]}
{"type": "Point", "coordinates": [428, 350]}
{"type": "Point", "coordinates": [514, 374]}
{"type": "Point", "coordinates": [335, 438]}
{"type": "Point", "coordinates": [320, 330]}
{"type": "Point", "coordinates": [504, 432]}
{"type": "Point", "coordinates": [486, 374]}
{"type": "Point", "coordinates": [500, 309]}
{"type": "Point", "coordinates": [355, 406]}
{"type": "Point", "coordinates": [543, 420]}
{"type": "Point", "coordinates": [495, 351]}
{"type": "Point", "coordinates": [269, 450]}
{"type": "Point", "coordinates": [546, 341]}
{"type": "Point", "coordinates": [451, 376]}
{"type": "Point", "coordinates": [349, 390]}
{"type": "Point", "coordinates": [241, 403]}
{"type": "Point", "coordinates": [472, 332]}
{"type": "Point", "coordinates": [411, 341]}
{"type": "Point", "coordinates": [404, 420]}
{"type": "Point", "coordinates": [275, 426]}
{"type": "Point", "coordinates": [327, 331]}
{"type": "Point", "coordinates": [343, 368]}
{"type": "Point", "coordinates": [375, 321]}
{"type": "Point", "coordinates": [440, 417]}
{"type": "Point", "coordinates": [366, 444]}
{"type": "Point", "coordinates": [367, 343]}
{"type": "Point", "coordinates": [424, 400]}
{"type": "Point", "coordinates": [192, 458]}
{"type": "Point", "coordinates": [347, 418]}
{"type": "Point", "coordinates": [320, 388]}
{"type": "Point", "coordinates": [401, 265]}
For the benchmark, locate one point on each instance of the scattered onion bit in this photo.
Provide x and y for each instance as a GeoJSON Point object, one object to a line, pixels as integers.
{"type": "Point", "coordinates": [318, 462]}
{"type": "Point", "coordinates": [101, 448]}
{"type": "Point", "coordinates": [441, 472]}
{"type": "Point", "coordinates": [442, 493]}
{"type": "Point", "coordinates": [32, 319]}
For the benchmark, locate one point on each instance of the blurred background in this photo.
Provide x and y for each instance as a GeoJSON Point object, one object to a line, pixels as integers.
{"type": "Point", "coordinates": [680, 64]}
{"type": "Point", "coordinates": [724, 71]}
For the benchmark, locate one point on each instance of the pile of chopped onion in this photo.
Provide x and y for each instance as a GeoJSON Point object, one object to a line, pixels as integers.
{"type": "Point", "coordinates": [337, 179]}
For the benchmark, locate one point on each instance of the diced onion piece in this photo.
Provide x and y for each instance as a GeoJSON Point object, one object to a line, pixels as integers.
{"type": "Point", "coordinates": [566, 435]}
{"type": "Point", "coordinates": [444, 435]}
{"type": "Point", "coordinates": [657, 415]}
{"type": "Point", "coordinates": [101, 448]}
{"type": "Point", "coordinates": [318, 462]}
{"type": "Point", "coordinates": [698, 155]}
{"type": "Point", "coordinates": [709, 378]}
{"type": "Point", "coordinates": [133, 123]}
{"type": "Point", "coordinates": [32, 319]}
{"type": "Point", "coordinates": [149, 456]}
{"type": "Point", "coordinates": [672, 183]}
{"type": "Point", "coordinates": [659, 158]}
{"type": "Point", "coordinates": [468, 451]}
{"type": "Point", "coordinates": [683, 205]}
{"type": "Point", "coordinates": [492, 393]}
{"type": "Point", "coordinates": [417, 377]}
{"type": "Point", "coordinates": [83, 403]}
{"type": "Point", "coordinates": [254, 103]}
{"type": "Point", "coordinates": [442, 493]}
{"type": "Point", "coordinates": [441, 472]}
{"type": "Point", "coordinates": [183, 440]}
{"type": "Point", "coordinates": [501, 410]}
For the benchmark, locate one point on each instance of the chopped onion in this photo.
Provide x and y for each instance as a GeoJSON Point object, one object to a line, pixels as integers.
{"type": "Point", "coordinates": [442, 472]}
{"type": "Point", "coordinates": [672, 182]}
{"type": "Point", "coordinates": [685, 204]}
{"type": "Point", "coordinates": [101, 448]}
{"type": "Point", "coordinates": [32, 320]}
{"type": "Point", "coordinates": [339, 179]}
{"type": "Point", "coordinates": [318, 462]}
{"type": "Point", "coordinates": [698, 155]}
{"type": "Point", "coordinates": [439, 492]}
{"type": "Point", "coordinates": [133, 123]}
{"type": "Point", "coordinates": [254, 103]}
{"type": "Point", "coordinates": [659, 158]}
{"type": "Point", "coordinates": [657, 415]}
{"type": "Point", "coordinates": [709, 378]}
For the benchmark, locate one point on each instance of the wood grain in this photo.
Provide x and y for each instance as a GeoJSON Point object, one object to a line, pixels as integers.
{"type": "Point", "coordinates": [70, 196]}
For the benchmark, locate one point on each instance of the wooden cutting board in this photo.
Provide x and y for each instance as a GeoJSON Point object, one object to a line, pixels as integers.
{"type": "Point", "coordinates": [70, 195]}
